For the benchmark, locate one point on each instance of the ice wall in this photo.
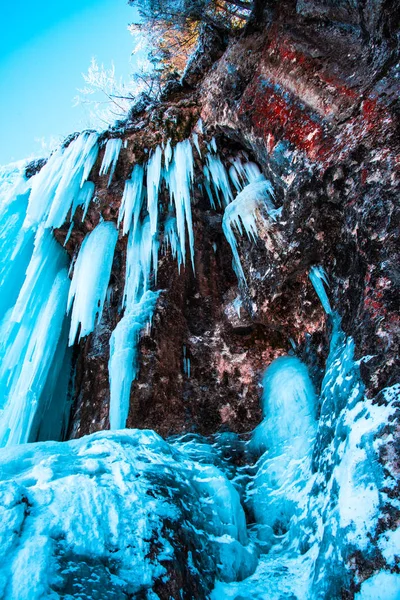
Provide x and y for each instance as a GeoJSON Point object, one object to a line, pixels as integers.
{"type": "Point", "coordinates": [30, 331]}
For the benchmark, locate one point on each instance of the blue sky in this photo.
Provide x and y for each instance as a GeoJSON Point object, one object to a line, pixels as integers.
{"type": "Point", "coordinates": [45, 46]}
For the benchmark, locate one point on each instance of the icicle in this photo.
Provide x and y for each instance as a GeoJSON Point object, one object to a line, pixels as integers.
{"type": "Point", "coordinates": [207, 179]}
{"type": "Point", "coordinates": [215, 172]}
{"type": "Point", "coordinates": [168, 155]}
{"type": "Point", "coordinates": [196, 142]}
{"type": "Point", "coordinates": [186, 363]}
{"type": "Point", "coordinates": [132, 199]}
{"type": "Point", "coordinates": [110, 158]}
{"type": "Point", "coordinates": [141, 252]}
{"type": "Point", "coordinates": [179, 180]}
{"type": "Point", "coordinates": [199, 126]}
{"type": "Point", "coordinates": [241, 215]}
{"type": "Point", "coordinates": [153, 184]}
{"type": "Point", "coordinates": [83, 199]}
{"type": "Point", "coordinates": [243, 174]}
{"type": "Point", "coordinates": [123, 365]}
{"type": "Point", "coordinates": [171, 239]}
{"type": "Point", "coordinates": [90, 279]}
{"type": "Point", "coordinates": [70, 228]}
{"type": "Point", "coordinates": [318, 278]}
{"type": "Point", "coordinates": [58, 184]}
{"type": "Point", "coordinates": [29, 335]}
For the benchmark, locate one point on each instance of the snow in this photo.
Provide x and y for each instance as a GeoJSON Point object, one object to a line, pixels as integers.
{"type": "Point", "coordinates": [110, 158]}
{"type": "Point", "coordinates": [318, 278]}
{"type": "Point", "coordinates": [90, 279]}
{"type": "Point", "coordinates": [381, 586]}
{"type": "Point", "coordinates": [389, 544]}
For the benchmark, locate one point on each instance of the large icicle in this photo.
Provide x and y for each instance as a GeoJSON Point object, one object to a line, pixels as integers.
{"type": "Point", "coordinates": [123, 365]}
{"type": "Point", "coordinates": [29, 335]}
{"type": "Point", "coordinates": [241, 215]}
{"type": "Point", "coordinates": [90, 280]}
{"type": "Point", "coordinates": [179, 179]}
{"type": "Point", "coordinates": [132, 199]}
{"type": "Point", "coordinates": [141, 255]}
{"type": "Point", "coordinates": [139, 303]}
{"type": "Point", "coordinates": [58, 184]}
{"type": "Point", "coordinates": [153, 185]}
{"type": "Point", "coordinates": [110, 158]}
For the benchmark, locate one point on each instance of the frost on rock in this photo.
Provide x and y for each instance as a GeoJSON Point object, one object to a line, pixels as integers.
{"type": "Point", "coordinates": [90, 279]}
{"type": "Point", "coordinates": [57, 187]}
{"type": "Point", "coordinates": [241, 216]}
{"type": "Point", "coordinates": [116, 513]}
{"type": "Point", "coordinates": [110, 158]}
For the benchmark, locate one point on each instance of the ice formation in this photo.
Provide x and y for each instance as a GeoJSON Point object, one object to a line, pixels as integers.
{"type": "Point", "coordinates": [123, 511]}
{"type": "Point", "coordinates": [284, 440]}
{"type": "Point", "coordinates": [318, 278]}
{"type": "Point", "coordinates": [179, 179]}
{"type": "Point", "coordinates": [132, 199]}
{"type": "Point", "coordinates": [241, 215]}
{"type": "Point", "coordinates": [116, 512]}
{"type": "Point", "coordinates": [123, 364]}
{"type": "Point", "coordinates": [215, 174]}
{"type": "Point", "coordinates": [110, 158]}
{"type": "Point", "coordinates": [57, 187]}
{"type": "Point", "coordinates": [153, 186]}
{"type": "Point", "coordinates": [30, 332]}
{"type": "Point", "coordinates": [90, 279]}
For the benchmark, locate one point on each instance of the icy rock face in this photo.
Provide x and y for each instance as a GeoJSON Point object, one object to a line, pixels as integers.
{"type": "Point", "coordinates": [117, 514]}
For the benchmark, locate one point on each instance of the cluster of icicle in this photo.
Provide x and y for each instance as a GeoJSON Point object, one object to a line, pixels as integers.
{"type": "Point", "coordinates": [44, 312]}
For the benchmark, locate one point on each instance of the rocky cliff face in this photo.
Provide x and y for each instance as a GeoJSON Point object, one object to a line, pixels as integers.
{"type": "Point", "coordinates": [311, 96]}
{"type": "Point", "coordinates": [309, 92]}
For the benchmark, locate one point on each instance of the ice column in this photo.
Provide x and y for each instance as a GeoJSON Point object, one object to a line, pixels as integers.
{"type": "Point", "coordinates": [90, 279]}
{"type": "Point", "coordinates": [285, 440]}
{"type": "Point", "coordinates": [124, 365]}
